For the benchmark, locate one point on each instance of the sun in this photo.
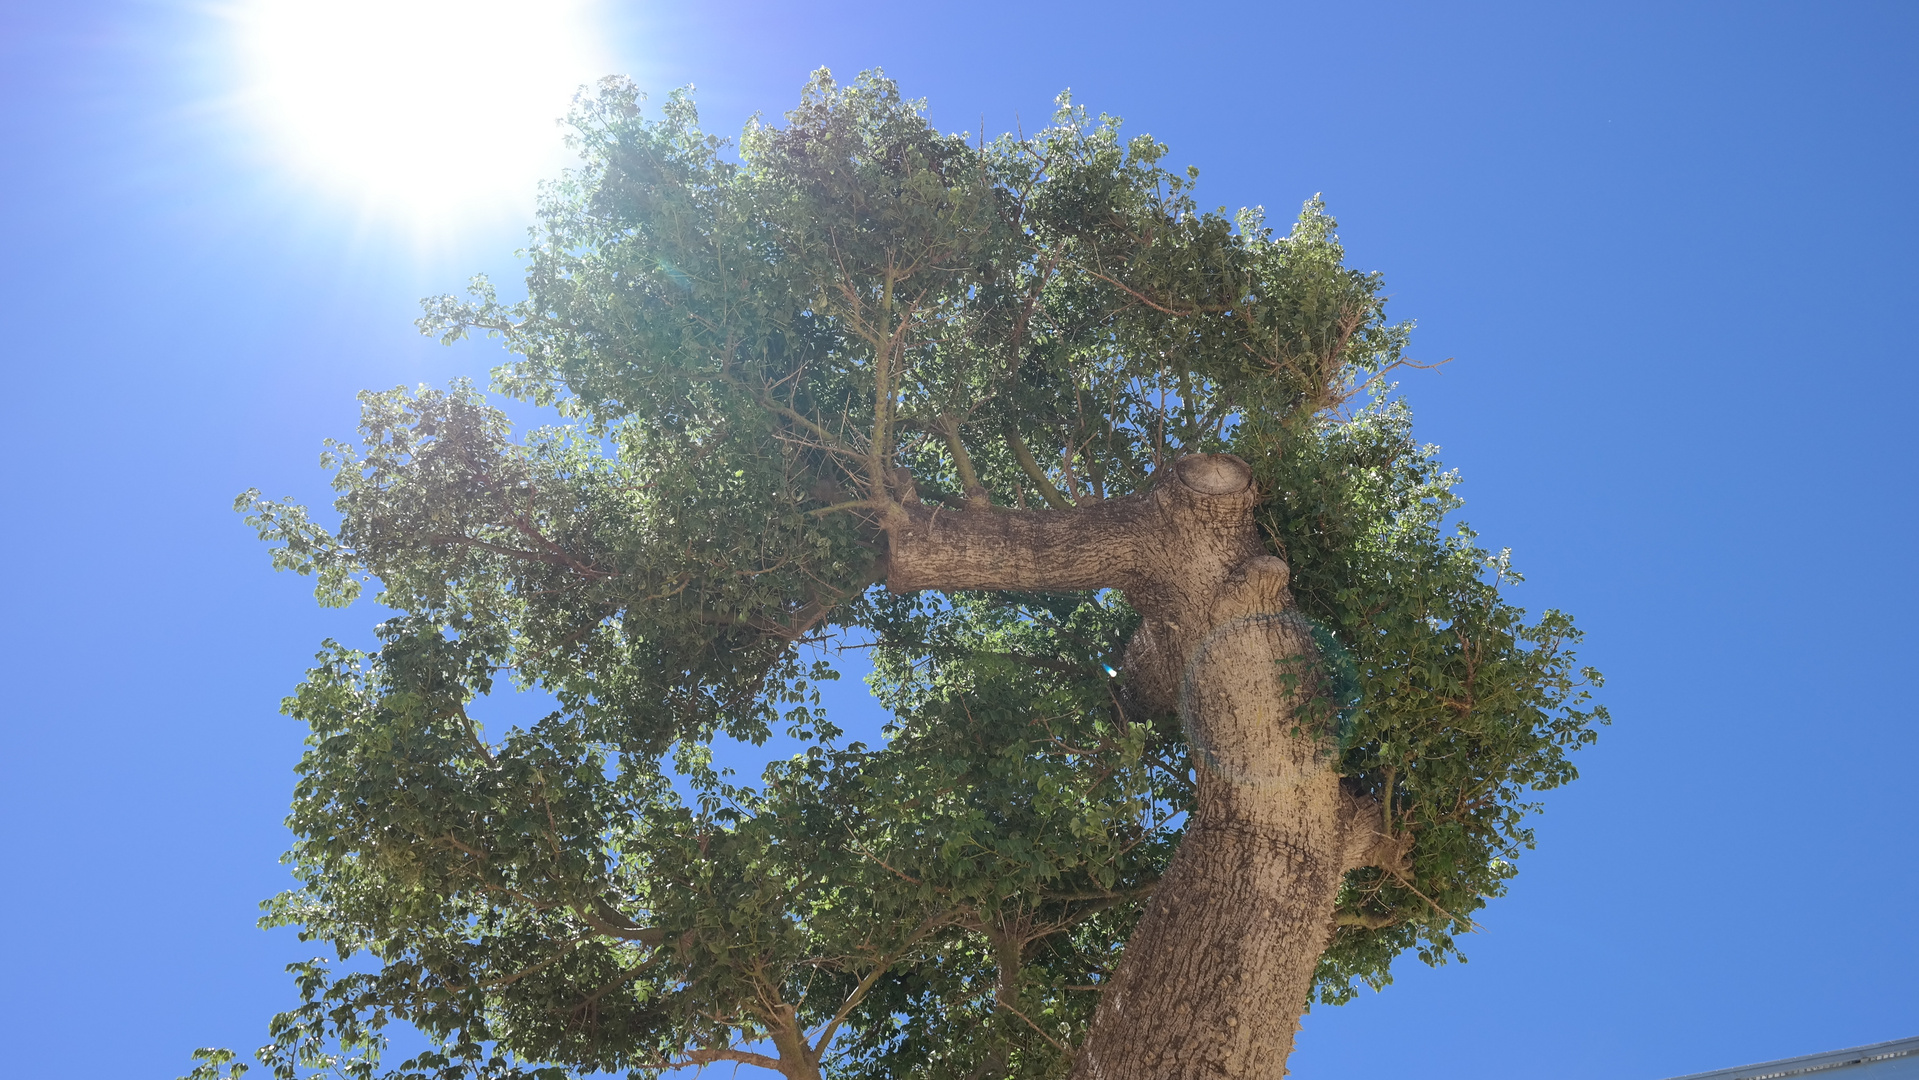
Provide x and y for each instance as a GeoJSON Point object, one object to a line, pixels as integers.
{"type": "Point", "coordinates": [429, 109]}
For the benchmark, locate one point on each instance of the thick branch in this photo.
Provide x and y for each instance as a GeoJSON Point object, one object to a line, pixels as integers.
{"type": "Point", "coordinates": [1185, 535]}
{"type": "Point", "coordinates": [1044, 550]}
{"type": "Point", "coordinates": [743, 1057]}
{"type": "Point", "coordinates": [605, 919]}
{"type": "Point", "coordinates": [1367, 844]}
{"type": "Point", "coordinates": [977, 496]}
{"type": "Point", "coordinates": [1024, 455]}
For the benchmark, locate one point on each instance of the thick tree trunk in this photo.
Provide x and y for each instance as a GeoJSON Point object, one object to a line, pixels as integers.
{"type": "Point", "coordinates": [1213, 982]}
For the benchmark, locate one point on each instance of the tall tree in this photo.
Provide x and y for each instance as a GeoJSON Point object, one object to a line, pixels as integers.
{"type": "Point", "coordinates": [1199, 707]}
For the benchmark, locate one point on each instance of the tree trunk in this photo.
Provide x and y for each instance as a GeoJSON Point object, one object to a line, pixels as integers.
{"type": "Point", "coordinates": [1213, 982]}
{"type": "Point", "coordinates": [798, 1060]}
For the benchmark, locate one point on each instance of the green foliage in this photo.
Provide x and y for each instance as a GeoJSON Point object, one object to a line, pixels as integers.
{"type": "Point", "coordinates": [1015, 794]}
{"type": "Point", "coordinates": [747, 353]}
{"type": "Point", "coordinates": [216, 1064]}
{"type": "Point", "coordinates": [1464, 705]}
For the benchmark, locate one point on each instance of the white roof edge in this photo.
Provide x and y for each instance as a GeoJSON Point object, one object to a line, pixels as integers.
{"type": "Point", "coordinates": [1813, 1063]}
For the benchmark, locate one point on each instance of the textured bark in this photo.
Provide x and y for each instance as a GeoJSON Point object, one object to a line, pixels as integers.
{"type": "Point", "coordinates": [1213, 982]}
{"type": "Point", "coordinates": [798, 1059]}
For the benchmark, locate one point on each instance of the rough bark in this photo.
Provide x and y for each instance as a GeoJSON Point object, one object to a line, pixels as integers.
{"type": "Point", "coordinates": [798, 1059]}
{"type": "Point", "coordinates": [1213, 982]}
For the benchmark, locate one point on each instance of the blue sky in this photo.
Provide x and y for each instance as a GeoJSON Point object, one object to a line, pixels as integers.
{"type": "Point", "coordinates": [1670, 247]}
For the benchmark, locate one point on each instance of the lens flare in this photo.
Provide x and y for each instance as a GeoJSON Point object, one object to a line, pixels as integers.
{"type": "Point", "coordinates": [429, 108]}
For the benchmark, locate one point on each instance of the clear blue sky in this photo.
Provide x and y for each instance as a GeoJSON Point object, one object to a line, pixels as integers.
{"type": "Point", "coordinates": [1671, 247]}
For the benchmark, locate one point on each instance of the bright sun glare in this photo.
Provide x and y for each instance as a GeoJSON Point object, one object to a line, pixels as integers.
{"type": "Point", "coordinates": [434, 109]}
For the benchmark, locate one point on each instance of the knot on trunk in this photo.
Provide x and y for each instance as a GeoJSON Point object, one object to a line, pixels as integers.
{"type": "Point", "coordinates": [1255, 587]}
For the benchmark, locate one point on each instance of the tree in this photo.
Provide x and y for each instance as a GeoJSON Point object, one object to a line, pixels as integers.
{"type": "Point", "coordinates": [1199, 707]}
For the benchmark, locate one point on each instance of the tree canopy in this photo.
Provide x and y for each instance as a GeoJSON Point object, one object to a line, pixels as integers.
{"type": "Point", "coordinates": [771, 367]}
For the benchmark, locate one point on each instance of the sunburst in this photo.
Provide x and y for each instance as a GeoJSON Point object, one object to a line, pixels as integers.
{"type": "Point", "coordinates": [427, 109]}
